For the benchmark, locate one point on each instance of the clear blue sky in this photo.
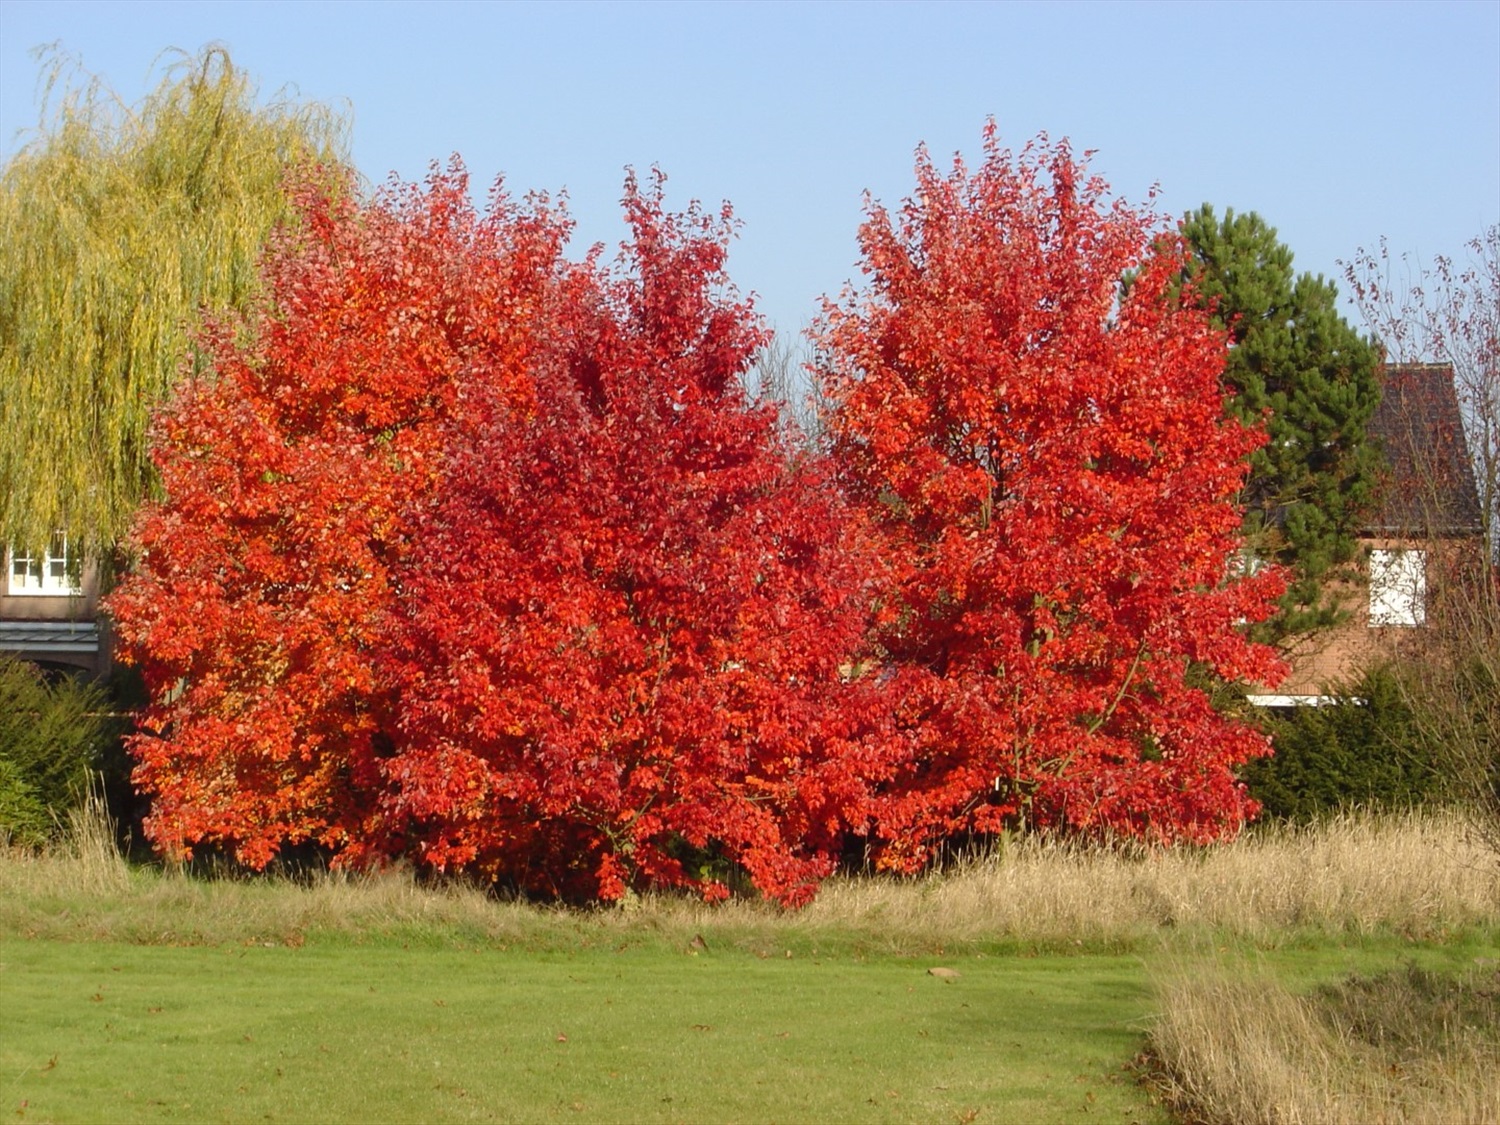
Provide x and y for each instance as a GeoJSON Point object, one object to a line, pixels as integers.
{"type": "Point", "coordinates": [1339, 123]}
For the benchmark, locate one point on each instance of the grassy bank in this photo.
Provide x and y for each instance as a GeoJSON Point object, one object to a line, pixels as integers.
{"type": "Point", "coordinates": [1413, 876]}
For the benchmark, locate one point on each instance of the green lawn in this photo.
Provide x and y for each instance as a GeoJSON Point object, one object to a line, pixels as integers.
{"type": "Point", "coordinates": [110, 1032]}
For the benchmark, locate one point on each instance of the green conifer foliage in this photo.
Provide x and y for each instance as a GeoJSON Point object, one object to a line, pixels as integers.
{"type": "Point", "coordinates": [118, 226]}
{"type": "Point", "coordinates": [1294, 356]}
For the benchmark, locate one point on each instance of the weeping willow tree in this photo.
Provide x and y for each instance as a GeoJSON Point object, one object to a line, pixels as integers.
{"type": "Point", "coordinates": [118, 226]}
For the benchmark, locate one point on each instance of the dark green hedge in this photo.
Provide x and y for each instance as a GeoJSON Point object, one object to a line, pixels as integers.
{"type": "Point", "coordinates": [1365, 752]}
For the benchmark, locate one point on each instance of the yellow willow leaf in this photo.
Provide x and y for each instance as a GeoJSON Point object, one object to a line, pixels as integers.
{"type": "Point", "coordinates": [118, 226]}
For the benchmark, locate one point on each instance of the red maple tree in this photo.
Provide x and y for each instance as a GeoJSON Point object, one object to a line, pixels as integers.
{"type": "Point", "coordinates": [475, 556]}
{"type": "Point", "coordinates": [291, 470]}
{"type": "Point", "coordinates": [618, 653]}
{"type": "Point", "coordinates": [1047, 457]}
{"type": "Point", "coordinates": [482, 558]}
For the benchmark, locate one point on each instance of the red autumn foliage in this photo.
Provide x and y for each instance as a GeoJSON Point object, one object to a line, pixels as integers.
{"type": "Point", "coordinates": [620, 643]}
{"type": "Point", "coordinates": [477, 557]}
{"type": "Point", "coordinates": [292, 470]}
{"type": "Point", "coordinates": [1050, 467]}
{"type": "Point", "coordinates": [481, 558]}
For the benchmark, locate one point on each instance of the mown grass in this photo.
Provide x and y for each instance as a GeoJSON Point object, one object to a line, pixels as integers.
{"type": "Point", "coordinates": [108, 1032]}
{"type": "Point", "coordinates": [1070, 958]}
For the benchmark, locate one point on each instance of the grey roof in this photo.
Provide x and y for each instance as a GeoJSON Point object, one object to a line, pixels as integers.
{"type": "Point", "coordinates": [49, 636]}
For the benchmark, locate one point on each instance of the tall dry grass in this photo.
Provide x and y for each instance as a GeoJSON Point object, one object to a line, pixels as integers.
{"type": "Point", "coordinates": [1419, 875]}
{"type": "Point", "coordinates": [1355, 874]}
{"type": "Point", "coordinates": [83, 889]}
{"type": "Point", "coordinates": [1234, 1046]}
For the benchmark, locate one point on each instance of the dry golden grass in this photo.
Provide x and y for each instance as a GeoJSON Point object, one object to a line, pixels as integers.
{"type": "Point", "coordinates": [1418, 875]}
{"type": "Point", "coordinates": [1351, 876]}
{"type": "Point", "coordinates": [1235, 1046]}
{"type": "Point", "coordinates": [83, 889]}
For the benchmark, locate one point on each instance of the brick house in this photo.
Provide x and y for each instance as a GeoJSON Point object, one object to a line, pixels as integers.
{"type": "Point", "coordinates": [1425, 532]}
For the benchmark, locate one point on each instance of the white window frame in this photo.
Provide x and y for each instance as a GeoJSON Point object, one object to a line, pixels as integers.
{"type": "Point", "coordinates": [1398, 588]}
{"type": "Point", "coordinates": [55, 575]}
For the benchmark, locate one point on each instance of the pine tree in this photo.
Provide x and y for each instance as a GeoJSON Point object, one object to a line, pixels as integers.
{"type": "Point", "coordinates": [117, 226]}
{"type": "Point", "coordinates": [1299, 364]}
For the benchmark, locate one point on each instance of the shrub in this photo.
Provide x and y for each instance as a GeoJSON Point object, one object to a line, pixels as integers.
{"type": "Point", "coordinates": [1365, 751]}
{"type": "Point", "coordinates": [1452, 687]}
{"type": "Point", "coordinates": [53, 735]}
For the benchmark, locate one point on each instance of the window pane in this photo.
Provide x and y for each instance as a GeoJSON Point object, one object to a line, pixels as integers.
{"type": "Point", "coordinates": [1398, 588]}
{"type": "Point", "coordinates": [54, 573]}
